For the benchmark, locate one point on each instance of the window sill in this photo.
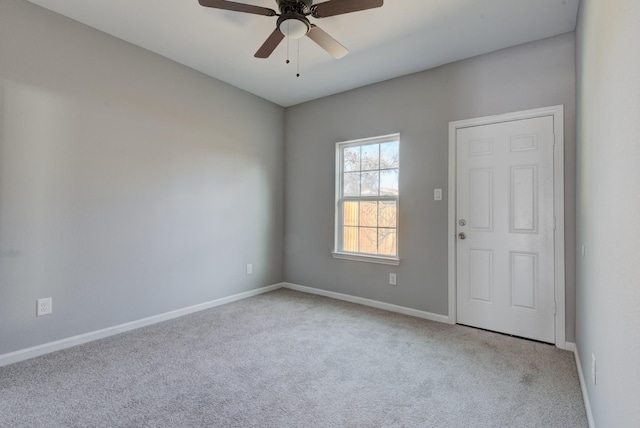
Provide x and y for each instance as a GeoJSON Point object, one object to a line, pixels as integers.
{"type": "Point", "coordinates": [393, 261]}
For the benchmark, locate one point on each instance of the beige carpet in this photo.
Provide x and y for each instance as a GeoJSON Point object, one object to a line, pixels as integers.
{"type": "Point", "coordinates": [289, 359]}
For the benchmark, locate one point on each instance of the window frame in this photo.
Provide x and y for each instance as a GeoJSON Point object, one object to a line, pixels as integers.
{"type": "Point", "coordinates": [337, 252]}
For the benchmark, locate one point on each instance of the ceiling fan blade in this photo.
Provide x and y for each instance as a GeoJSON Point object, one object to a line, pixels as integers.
{"type": "Point", "coordinates": [339, 7]}
{"type": "Point", "coordinates": [326, 42]}
{"type": "Point", "coordinates": [238, 7]}
{"type": "Point", "coordinates": [270, 44]}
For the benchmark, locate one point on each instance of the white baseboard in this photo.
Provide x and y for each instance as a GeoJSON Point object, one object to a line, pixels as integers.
{"type": "Point", "coordinates": [368, 302]}
{"type": "Point", "coordinates": [583, 386]}
{"type": "Point", "coordinates": [36, 351]}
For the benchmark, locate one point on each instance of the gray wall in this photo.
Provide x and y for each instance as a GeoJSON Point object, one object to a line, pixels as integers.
{"type": "Point", "coordinates": [129, 185]}
{"type": "Point", "coordinates": [420, 107]}
{"type": "Point", "coordinates": [608, 201]}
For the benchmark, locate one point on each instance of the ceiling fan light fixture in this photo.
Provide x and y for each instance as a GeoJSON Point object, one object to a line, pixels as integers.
{"type": "Point", "coordinates": [294, 27]}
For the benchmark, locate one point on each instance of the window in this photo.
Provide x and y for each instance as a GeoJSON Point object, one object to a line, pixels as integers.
{"type": "Point", "coordinates": [367, 199]}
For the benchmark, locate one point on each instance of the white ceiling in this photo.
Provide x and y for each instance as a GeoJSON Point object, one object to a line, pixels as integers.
{"type": "Point", "coordinates": [401, 37]}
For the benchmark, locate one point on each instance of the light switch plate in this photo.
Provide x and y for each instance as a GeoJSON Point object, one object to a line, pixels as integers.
{"type": "Point", "coordinates": [437, 194]}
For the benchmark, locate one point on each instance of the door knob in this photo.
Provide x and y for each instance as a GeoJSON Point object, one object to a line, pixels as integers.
{"type": "Point", "coordinates": [462, 235]}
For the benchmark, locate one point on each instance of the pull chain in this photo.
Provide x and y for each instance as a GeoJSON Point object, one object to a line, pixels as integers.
{"type": "Point", "coordinates": [298, 53]}
{"type": "Point", "coordinates": [298, 65]}
{"type": "Point", "coordinates": [287, 43]}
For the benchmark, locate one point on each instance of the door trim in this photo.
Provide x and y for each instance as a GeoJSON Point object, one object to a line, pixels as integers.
{"type": "Point", "coordinates": [557, 112]}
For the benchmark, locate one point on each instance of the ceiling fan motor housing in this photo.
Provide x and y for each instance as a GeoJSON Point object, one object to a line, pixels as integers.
{"type": "Point", "coordinates": [302, 7]}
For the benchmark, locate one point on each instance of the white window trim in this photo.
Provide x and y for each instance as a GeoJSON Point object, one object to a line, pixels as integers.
{"type": "Point", "coordinates": [361, 257]}
{"type": "Point", "coordinates": [357, 257]}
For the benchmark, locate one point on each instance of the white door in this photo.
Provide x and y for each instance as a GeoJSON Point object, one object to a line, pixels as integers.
{"type": "Point", "coordinates": [505, 227]}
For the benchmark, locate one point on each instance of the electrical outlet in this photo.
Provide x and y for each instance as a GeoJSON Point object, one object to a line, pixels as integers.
{"type": "Point", "coordinates": [249, 269]}
{"type": "Point", "coordinates": [593, 368]}
{"type": "Point", "coordinates": [392, 279]}
{"type": "Point", "coordinates": [44, 306]}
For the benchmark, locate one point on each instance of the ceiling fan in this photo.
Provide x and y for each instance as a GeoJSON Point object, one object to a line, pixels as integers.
{"type": "Point", "coordinates": [293, 22]}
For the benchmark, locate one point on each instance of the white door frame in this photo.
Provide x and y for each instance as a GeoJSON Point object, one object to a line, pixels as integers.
{"type": "Point", "coordinates": [557, 112]}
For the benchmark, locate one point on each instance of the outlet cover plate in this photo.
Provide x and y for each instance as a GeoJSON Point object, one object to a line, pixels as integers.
{"type": "Point", "coordinates": [44, 306]}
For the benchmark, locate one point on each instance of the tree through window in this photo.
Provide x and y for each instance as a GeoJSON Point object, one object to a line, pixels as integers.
{"type": "Point", "coordinates": [367, 196]}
